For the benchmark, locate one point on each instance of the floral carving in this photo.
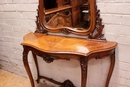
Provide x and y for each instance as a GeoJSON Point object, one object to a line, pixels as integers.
{"type": "Point", "coordinates": [83, 63]}
{"type": "Point", "coordinates": [25, 53]}
{"type": "Point", "coordinates": [97, 33]}
{"type": "Point", "coordinates": [66, 31]}
{"type": "Point", "coordinates": [67, 83]}
{"type": "Point", "coordinates": [49, 58]}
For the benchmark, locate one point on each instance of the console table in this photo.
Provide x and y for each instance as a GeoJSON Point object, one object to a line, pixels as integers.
{"type": "Point", "coordinates": [65, 17]}
{"type": "Point", "coordinates": [51, 48]}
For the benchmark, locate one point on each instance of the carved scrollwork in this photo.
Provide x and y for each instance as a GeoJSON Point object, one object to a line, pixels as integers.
{"type": "Point", "coordinates": [97, 33]}
{"type": "Point", "coordinates": [39, 28]}
{"type": "Point", "coordinates": [65, 31]}
{"type": "Point", "coordinates": [49, 58]}
{"type": "Point", "coordinates": [60, 21]}
{"type": "Point", "coordinates": [25, 53]}
{"type": "Point", "coordinates": [83, 64]}
{"type": "Point", "coordinates": [67, 83]}
{"type": "Point", "coordinates": [46, 57]}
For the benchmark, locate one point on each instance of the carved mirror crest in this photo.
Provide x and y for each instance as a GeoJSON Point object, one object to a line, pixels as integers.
{"type": "Point", "coordinates": [79, 17]}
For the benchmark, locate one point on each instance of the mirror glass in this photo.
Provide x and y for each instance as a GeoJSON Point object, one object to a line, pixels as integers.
{"type": "Point", "coordinates": [77, 17]}
{"type": "Point", "coordinates": [67, 13]}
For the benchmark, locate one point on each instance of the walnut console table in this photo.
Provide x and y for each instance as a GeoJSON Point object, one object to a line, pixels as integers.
{"type": "Point", "coordinates": [52, 48]}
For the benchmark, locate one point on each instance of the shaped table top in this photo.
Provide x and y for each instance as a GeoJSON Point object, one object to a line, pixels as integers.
{"type": "Point", "coordinates": [69, 45]}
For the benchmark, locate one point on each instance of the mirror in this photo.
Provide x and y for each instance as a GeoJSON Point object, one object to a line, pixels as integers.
{"type": "Point", "coordinates": [79, 17]}
{"type": "Point", "coordinates": [67, 13]}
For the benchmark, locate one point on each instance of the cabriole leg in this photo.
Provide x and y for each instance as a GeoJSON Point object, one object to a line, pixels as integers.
{"type": "Point", "coordinates": [84, 66]}
{"type": "Point", "coordinates": [36, 63]}
{"type": "Point", "coordinates": [26, 65]}
{"type": "Point", "coordinates": [112, 57]}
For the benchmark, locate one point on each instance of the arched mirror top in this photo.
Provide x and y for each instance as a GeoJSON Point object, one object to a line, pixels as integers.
{"type": "Point", "coordinates": [79, 17]}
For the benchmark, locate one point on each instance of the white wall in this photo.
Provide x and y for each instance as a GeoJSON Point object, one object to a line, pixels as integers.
{"type": "Point", "coordinates": [116, 17]}
{"type": "Point", "coordinates": [17, 17]}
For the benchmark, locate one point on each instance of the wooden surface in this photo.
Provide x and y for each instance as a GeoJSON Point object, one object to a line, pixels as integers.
{"type": "Point", "coordinates": [51, 48]}
{"type": "Point", "coordinates": [93, 31]}
{"type": "Point", "coordinates": [58, 44]}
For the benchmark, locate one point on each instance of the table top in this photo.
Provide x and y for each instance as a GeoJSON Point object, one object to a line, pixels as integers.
{"type": "Point", "coordinates": [67, 45]}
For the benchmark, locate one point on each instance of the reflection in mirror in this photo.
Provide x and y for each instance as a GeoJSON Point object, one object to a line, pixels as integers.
{"type": "Point", "coordinates": [67, 13]}
{"type": "Point", "coordinates": [49, 4]}
{"type": "Point", "coordinates": [78, 17]}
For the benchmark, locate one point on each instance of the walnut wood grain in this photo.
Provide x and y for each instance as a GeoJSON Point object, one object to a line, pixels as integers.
{"type": "Point", "coordinates": [88, 31]}
{"type": "Point", "coordinates": [50, 47]}
{"type": "Point", "coordinates": [26, 64]}
{"type": "Point", "coordinates": [58, 44]}
{"type": "Point", "coordinates": [56, 47]}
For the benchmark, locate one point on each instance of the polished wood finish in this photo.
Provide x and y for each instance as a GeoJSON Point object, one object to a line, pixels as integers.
{"type": "Point", "coordinates": [94, 31]}
{"type": "Point", "coordinates": [56, 44]}
{"type": "Point", "coordinates": [51, 48]}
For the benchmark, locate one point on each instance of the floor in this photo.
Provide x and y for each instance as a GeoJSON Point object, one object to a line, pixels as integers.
{"type": "Point", "coordinates": [8, 79]}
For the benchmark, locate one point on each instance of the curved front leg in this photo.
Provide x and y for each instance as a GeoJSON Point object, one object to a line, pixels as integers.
{"type": "Point", "coordinates": [26, 65]}
{"type": "Point", "coordinates": [110, 69]}
{"type": "Point", "coordinates": [36, 63]}
{"type": "Point", "coordinates": [84, 66]}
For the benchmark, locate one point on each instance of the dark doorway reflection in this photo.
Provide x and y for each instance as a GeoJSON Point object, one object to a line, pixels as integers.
{"type": "Point", "coordinates": [48, 4]}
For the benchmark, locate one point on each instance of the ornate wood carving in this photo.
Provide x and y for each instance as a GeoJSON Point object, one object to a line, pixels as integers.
{"type": "Point", "coordinates": [97, 33]}
{"type": "Point", "coordinates": [94, 31]}
{"type": "Point", "coordinates": [26, 65]}
{"type": "Point", "coordinates": [49, 58]}
{"type": "Point", "coordinates": [40, 28]}
{"type": "Point", "coordinates": [83, 64]}
{"type": "Point", "coordinates": [34, 43]}
{"type": "Point", "coordinates": [66, 31]}
{"type": "Point", "coordinates": [25, 53]}
{"type": "Point", "coordinates": [67, 83]}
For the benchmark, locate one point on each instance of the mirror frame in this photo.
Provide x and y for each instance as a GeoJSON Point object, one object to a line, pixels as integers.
{"type": "Point", "coordinates": [94, 31]}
